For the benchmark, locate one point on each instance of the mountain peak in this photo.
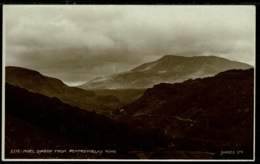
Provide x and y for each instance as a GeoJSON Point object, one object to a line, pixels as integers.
{"type": "Point", "coordinates": [15, 75]}
{"type": "Point", "coordinates": [167, 69]}
{"type": "Point", "coordinates": [166, 57]}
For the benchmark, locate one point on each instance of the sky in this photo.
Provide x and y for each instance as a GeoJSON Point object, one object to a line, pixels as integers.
{"type": "Point", "coordinates": [77, 43]}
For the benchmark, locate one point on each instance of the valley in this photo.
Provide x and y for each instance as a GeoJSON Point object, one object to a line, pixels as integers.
{"type": "Point", "coordinates": [194, 118]}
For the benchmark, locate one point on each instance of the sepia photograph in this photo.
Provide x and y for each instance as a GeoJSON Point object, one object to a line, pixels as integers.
{"type": "Point", "coordinates": [128, 83]}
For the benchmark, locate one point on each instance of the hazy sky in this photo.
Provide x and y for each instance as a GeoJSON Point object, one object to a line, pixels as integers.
{"type": "Point", "coordinates": [78, 43]}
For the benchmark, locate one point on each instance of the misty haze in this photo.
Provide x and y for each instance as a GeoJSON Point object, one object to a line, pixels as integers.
{"type": "Point", "coordinates": [129, 82]}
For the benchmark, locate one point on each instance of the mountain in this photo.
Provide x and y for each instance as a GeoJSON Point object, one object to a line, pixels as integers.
{"type": "Point", "coordinates": [195, 119]}
{"type": "Point", "coordinates": [37, 122]}
{"type": "Point", "coordinates": [35, 82]}
{"type": "Point", "coordinates": [168, 69]}
{"type": "Point", "coordinates": [210, 114]}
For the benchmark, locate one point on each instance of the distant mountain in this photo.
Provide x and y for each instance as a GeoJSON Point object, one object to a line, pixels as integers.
{"type": "Point", "coordinates": [37, 122]}
{"type": "Point", "coordinates": [35, 82]}
{"type": "Point", "coordinates": [209, 114]}
{"type": "Point", "coordinates": [168, 69]}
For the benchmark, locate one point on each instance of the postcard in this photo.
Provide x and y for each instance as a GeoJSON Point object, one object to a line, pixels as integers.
{"type": "Point", "coordinates": [128, 83]}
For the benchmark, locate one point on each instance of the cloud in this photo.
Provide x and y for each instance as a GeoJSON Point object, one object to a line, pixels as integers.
{"type": "Point", "coordinates": [78, 43]}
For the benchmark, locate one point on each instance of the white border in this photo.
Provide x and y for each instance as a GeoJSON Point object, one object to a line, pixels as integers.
{"type": "Point", "coordinates": [116, 160]}
{"type": "Point", "coordinates": [254, 88]}
{"type": "Point", "coordinates": [3, 84]}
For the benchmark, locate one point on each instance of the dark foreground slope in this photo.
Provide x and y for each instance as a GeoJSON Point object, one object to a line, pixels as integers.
{"type": "Point", "coordinates": [35, 82]}
{"type": "Point", "coordinates": [212, 114]}
{"type": "Point", "coordinates": [36, 122]}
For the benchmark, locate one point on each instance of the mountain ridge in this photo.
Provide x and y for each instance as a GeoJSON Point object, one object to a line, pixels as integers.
{"type": "Point", "coordinates": [216, 112]}
{"type": "Point", "coordinates": [35, 82]}
{"type": "Point", "coordinates": [169, 68]}
{"type": "Point", "coordinates": [25, 72]}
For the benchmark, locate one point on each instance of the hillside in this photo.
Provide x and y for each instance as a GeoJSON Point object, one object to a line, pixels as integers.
{"type": "Point", "coordinates": [209, 114]}
{"type": "Point", "coordinates": [168, 69]}
{"type": "Point", "coordinates": [124, 95]}
{"type": "Point", "coordinates": [35, 82]}
{"type": "Point", "coordinates": [37, 122]}
{"type": "Point", "coordinates": [196, 119]}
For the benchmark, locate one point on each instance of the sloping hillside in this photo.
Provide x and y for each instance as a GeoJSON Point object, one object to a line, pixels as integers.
{"type": "Point", "coordinates": [35, 82]}
{"type": "Point", "coordinates": [168, 69]}
{"type": "Point", "coordinates": [34, 121]}
{"type": "Point", "coordinates": [210, 114]}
